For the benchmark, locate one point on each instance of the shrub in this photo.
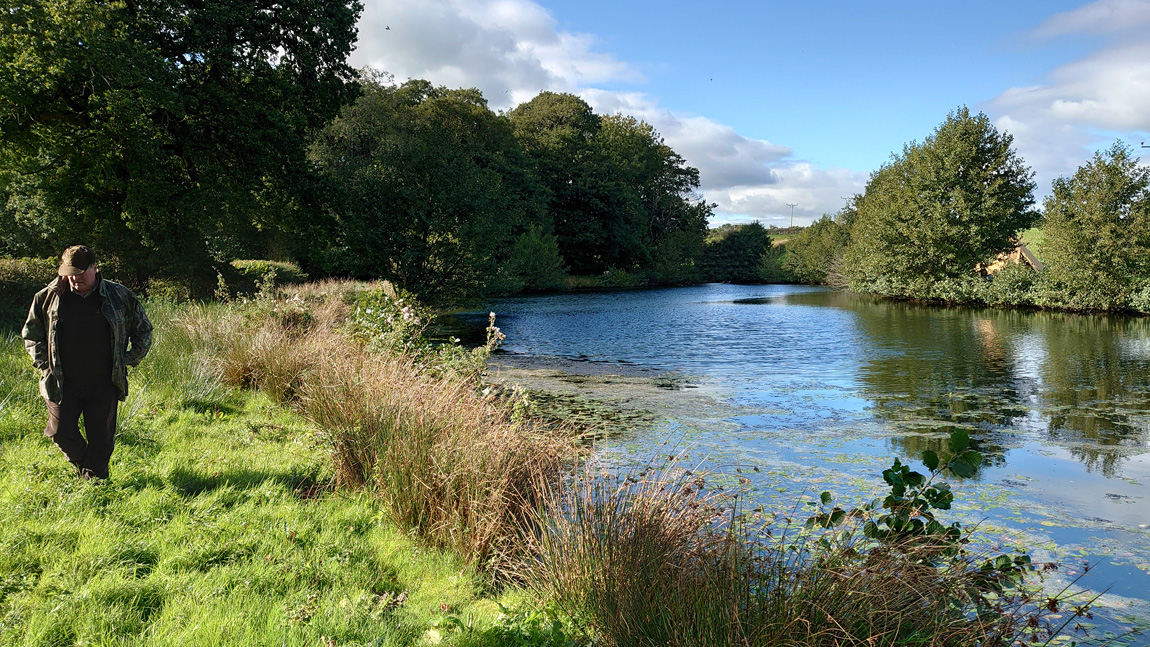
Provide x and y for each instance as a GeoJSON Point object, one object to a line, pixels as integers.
{"type": "Point", "coordinates": [812, 252]}
{"type": "Point", "coordinates": [20, 280]}
{"type": "Point", "coordinates": [773, 266]}
{"type": "Point", "coordinates": [1140, 297]}
{"type": "Point", "coordinates": [617, 278]}
{"type": "Point", "coordinates": [393, 322]}
{"type": "Point", "coordinates": [1013, 285]}
{"type": "Point", "coordinates": [251, 275]}
{"type": "Point", "coordinates": [732, 253]}
{"type": "Point", "coordinates": [535, 263]}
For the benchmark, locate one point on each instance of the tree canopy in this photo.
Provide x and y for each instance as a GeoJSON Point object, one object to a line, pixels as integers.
{"type": "Point", "coordinates": [1098, 231]}
{"type": "Point", "coordinates": [167, 132]}
{"type": "Point", "coordinates": [431, 189]}
{"type": "Point", "coordinates": [814, 255]}
{"type": "Point", "coordinates": [619, 197]}
{"type": "Point", "coordinates": [940, 208]}
{"type": "Point", "coordinates": [734, 253]}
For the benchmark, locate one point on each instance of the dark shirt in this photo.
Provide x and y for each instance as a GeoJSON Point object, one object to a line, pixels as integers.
{"type": "Point", "coordinates": [85, 339]}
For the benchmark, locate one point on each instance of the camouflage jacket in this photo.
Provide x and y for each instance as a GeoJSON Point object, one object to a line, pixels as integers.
{"type": "Point", "coordinates": [131, 334]}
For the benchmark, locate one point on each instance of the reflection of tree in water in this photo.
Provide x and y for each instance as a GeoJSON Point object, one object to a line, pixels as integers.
{"type": "Point", "coordinates": [933, 370]}
{"type": "Point", "coordinates": [1095, 385]}
{"type": "Point", "coordinates": [1084, 379]}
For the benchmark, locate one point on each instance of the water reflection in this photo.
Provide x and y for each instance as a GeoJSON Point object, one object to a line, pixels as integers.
{"type": "Point", "coordinates": [1094, 393]}
{"type": "Point", "coordinates": [1083, 381]}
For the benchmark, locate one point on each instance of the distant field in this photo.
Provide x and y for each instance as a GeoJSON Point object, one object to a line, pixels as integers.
{"type": "Point", "coordinates": [1034, 239]}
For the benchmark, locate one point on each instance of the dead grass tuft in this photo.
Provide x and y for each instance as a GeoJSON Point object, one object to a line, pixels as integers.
{"type": "Point", "coordinates": [450, 464]}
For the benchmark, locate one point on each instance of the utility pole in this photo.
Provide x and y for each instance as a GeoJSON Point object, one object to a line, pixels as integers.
{"type": "Point", "coordinates": [792, 206]}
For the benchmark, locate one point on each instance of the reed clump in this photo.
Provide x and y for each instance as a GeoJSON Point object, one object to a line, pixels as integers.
{"type": "Point", "coordinates": [638, 559]}
{"type": "Point", "coordinates": [655, 558]}
{"type": "Point", "coordinates": [449, 464]}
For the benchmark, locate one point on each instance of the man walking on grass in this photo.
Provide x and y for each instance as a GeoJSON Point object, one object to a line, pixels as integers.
{"type": "Point", "coordinates": [83, 332]}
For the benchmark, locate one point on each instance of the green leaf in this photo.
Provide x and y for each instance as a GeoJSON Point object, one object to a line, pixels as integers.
{"type": "Point", "coordinates": [914, 479]}
{"type": "Point", "coordinates": [826, 498]}
{"type": "Point", "coordinates": [959, 441]}
{"type": "Point", "coordinates": [973, 457]}
{"type": "Point", "coordinates": [962, 467]}
{"type": "Point", "coordinates": [930, 459]}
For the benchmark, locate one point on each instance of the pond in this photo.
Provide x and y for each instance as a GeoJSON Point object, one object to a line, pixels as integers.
{"type": "Point", "coordinates": [819, 390]}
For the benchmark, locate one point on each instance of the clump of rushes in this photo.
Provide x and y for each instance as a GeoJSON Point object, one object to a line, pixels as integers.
{"type": "Point", "coordinates": [640, 559]}
{"type": "Point", "coordinates": [450, 465]}
{"type": "Point", "coordinates": [654, 559]}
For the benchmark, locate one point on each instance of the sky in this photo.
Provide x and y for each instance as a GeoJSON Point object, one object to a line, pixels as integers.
{"type": "Point", "coordinates": [780, 103]}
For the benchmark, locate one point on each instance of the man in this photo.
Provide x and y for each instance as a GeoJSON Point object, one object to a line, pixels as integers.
{"type": "Point", "coordinates": [83, 332]}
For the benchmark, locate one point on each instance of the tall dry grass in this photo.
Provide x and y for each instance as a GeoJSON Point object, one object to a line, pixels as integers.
{"type": "Point", "coordinates": [447, 461]}
{"type": "Point", "coordinates": [653, 559]}
{"type": "Point", "coordinates": [449, 464]}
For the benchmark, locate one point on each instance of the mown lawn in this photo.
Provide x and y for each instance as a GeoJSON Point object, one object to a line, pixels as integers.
{"type": "Point", "coordinates": [217, 527]}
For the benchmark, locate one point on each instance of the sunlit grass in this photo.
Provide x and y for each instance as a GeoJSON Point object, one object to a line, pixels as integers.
{"type": "Point", "coordinates": [219, 526]}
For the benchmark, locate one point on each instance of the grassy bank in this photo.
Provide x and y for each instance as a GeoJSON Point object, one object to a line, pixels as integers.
{"type": "Point", "coordinates": [221, 525]}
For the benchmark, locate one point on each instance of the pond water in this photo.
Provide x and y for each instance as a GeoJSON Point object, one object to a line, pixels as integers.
{"type": "Point", "coordinates": [821, 389]}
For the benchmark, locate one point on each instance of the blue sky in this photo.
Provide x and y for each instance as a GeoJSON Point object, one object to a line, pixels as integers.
{"type": "Point", "coordinates": [780, 103]}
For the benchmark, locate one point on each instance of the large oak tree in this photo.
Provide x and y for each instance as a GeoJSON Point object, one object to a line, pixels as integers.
{"type": "Point", "coordinates": [166, 132]}
{"type": "Point", "coordinates": [430, 189]}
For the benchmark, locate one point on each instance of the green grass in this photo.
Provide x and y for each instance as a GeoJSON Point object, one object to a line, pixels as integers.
{"type": "Point", "coordinates": [1034, 239]}
{"type": "Point", "coordinates": [217, 527]}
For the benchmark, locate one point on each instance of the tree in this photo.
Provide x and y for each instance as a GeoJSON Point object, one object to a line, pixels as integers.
{"type": "Point", "coordinates": [168, 133]}
{"type": "Point", "coordinates": [814, 253]}
{"type": "Point", "coordinates": [734, 253]}
{"type": "Point", "coordinates": [619, 197]}
{"type": "Point", "coordinates": [661, 222]}
{"type": "Point", "coordinates": [940, 208]}
{"type": "Point", "coordinates": [535, 263]}
{"type": "Point", "coordinates": [431, 189]}
{"type": "Point", "coordinates": [557, 132]}
{"type": "Point", "coordinates": [1097, 245]}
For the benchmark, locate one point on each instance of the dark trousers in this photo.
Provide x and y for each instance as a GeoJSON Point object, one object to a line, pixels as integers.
{"type": "Point", "coordinates": [98, 404]}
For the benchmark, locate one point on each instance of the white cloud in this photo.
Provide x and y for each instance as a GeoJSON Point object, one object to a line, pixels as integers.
{"type": "Point", "coordinates": [1109, 89]}
{"type": "Point", "coordinates": [1087, 103]}
{"type": "Point", "coordinates": [509, 49]}
{"type": "Point", "coordinates": [1101, 17]}
{"type": "Point", "coordinates": [812, 190]}
{"type": "Point", "coordinates": [724, 157]}
{"type": "Point", "coordinates": [512, 49]}
{"type": "Point", "coordinates": [747, 179]}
